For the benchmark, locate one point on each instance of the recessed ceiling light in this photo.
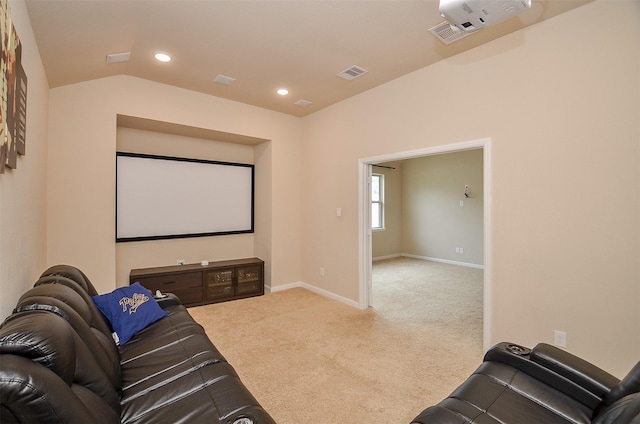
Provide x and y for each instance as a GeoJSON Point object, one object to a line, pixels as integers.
{"type": "Point", "coordinates": [162, 57]}
{"type": "Point", "coordinates": [282, 91]}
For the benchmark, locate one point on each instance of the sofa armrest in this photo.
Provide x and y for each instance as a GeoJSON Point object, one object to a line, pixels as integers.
{"type": "Point", "coordinates": [558, 369]}
{"type": "Point", "coordinates": [577, 370]}
{"type": "Point", "coordinates": [166, 300]}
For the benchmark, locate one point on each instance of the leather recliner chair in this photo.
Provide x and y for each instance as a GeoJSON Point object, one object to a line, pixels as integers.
{"type": "Point", "coordinates": [545, 385]}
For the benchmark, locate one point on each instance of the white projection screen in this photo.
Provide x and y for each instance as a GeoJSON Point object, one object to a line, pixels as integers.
{"type": "Point", "coordinates": [160, 197]}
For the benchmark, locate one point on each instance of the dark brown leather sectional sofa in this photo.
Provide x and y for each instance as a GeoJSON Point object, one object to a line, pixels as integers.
{"type": "Point", "coordinates": [60, 364]}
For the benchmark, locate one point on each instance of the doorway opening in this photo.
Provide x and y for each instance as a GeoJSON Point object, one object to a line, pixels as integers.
{"type": "Point", "coordinates": [366, 239]}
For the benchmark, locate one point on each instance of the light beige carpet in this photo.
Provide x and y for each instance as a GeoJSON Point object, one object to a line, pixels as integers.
{"type": "Point", "coordinates": [312, 360]}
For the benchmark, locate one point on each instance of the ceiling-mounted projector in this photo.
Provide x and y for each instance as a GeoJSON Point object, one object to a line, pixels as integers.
{"type": "Point", "coordinates": [472, 15]}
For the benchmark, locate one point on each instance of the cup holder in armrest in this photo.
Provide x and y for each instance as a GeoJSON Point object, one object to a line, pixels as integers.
{"type": "Point", "coordinates": [518, 350]}
{"type": "Point", "coordinates": [508, 353]}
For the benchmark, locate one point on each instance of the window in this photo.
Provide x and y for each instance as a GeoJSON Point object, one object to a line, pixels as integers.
{"type": "Point", "coordinates": [377, 201]}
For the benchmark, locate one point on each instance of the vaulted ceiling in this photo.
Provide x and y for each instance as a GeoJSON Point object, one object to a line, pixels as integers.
{"type": "Point", "coordinates": [263, 45]}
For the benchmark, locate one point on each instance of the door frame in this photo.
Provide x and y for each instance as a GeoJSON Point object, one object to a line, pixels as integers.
{"type": "Point", "coordinates": [365, 233]}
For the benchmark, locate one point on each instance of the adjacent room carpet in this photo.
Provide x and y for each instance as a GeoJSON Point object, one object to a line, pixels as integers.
{"type": "Point", "coordinates": [309, 359]}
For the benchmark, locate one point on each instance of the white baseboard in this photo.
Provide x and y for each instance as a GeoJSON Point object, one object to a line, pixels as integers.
{"type": "Point", "coordinates": [445, 261]}
{"type": "Point", "coordinates": [382, 258]}
{"type": "Point", "coordinates": [283, 287]}
{"type": "Point", "coordinates": [317, 290]}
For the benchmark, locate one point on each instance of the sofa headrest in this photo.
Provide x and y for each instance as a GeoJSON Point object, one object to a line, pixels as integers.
{"type": "Point", "coordinates": [59, 298]}
{"type": "Point", "coordinates": [52, 373]}
{"type": "Point", "coordinates": [625, 410]}
{"type": "Point", "coordinates": [97, 319]}
{"type": "Point", "coordinates": [55, 294]}
{"type": "Point", "coordinates": [43, 337]}
{"type": "Point", "coordinates": [628, 385]}
{"type": "Point", "coordinates": [72, 273]}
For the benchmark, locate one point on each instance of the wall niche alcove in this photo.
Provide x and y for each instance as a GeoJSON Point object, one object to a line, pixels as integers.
{"type": "Point", "coordinates": [160, 138]}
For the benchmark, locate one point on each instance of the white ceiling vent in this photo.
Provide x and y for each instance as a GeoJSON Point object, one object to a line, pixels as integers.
{"type": "Point", "coordinates": [302, 102]}
{"type": "Point", "coordinates": [448, 33]}
{"type": "Point", "coordinates": [352, 73]}
{"type": "Point", "coordinates": [223, 79]}
{"type": "Point", "coordinates": [118, 57]}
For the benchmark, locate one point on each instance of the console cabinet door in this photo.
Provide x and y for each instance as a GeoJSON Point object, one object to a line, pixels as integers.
{"type": "Point", "coordinates": [219, 284]}
{"type": "Point", "coordinates": [249, 280]}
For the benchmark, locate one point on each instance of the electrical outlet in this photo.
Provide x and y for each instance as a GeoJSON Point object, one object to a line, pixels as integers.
{"type": "Point", "coordinates": [181, 262]}
{"type": "Point", "coordinates": [560, 338]}
{"type": "Point", "coordinates": [322, 271]}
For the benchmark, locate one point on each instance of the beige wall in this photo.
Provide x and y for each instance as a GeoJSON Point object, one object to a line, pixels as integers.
{"type": "Point", "coordinates": [23, 190]}
{"type": "Point", "coordinates": [81, 195]}
{"type": "Point", "coordinates": [559, 101]}
{"type": "Point", "coordinates": [434, 223]}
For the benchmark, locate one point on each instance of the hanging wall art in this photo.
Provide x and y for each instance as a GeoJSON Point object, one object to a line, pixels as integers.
{"type": "Point", "coordinates": [13, 93]}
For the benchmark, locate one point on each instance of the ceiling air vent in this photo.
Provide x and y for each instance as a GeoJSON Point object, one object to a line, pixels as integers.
{"type": "Point", "coordinates": [118, 57]}
{"type": "Point", "coordinates": [352, 73]}
{"type": "Point", "coordinates": [223, 79]}
{"type": "Point", "coordinates": [302, 102]}
{"type": "Point", "coordinates": [448, 33]}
